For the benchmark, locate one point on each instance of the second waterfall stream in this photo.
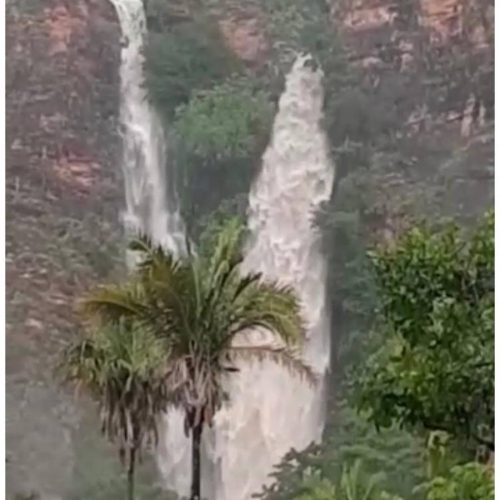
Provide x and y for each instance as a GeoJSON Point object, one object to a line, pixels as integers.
{"type": "Point", "coordinates": [270, 410]}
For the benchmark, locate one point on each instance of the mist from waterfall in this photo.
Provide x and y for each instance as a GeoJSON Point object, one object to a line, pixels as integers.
{"type": "Point", "coordinates": [270, 410]}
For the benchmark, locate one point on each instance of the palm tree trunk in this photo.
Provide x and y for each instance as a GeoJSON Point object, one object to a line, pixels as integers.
{"type": "Point", "coordinates": [130, 475]}
{"type": "Point", "coordinates": [196, 462]}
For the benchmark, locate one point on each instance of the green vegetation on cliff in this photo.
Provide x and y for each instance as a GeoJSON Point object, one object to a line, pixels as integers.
{"type": "Point", "coordinates": [183, 59]}
{"type": "Point", "coordinates": [435, 369]}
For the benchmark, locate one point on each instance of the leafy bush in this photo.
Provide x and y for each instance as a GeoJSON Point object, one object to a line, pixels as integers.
{"type": "Point", "coordinates": [348, 439]}
{"type": "Point", "coordinates": [471, 481]}
{"type": "Point", "coordinates": [220, 136]}
{"type": "Point", "coordinates": [315, 488]}
{"type": "Point", "coordinates": [435, 369]}
{"type": "Point", "coordinates": [228, 121]}
{"type": "Point", "coordinates": [353, 484]}
{"type": "Point", "coordinates": [210, 226]}
{"type": "Point", "coordinates": [162, 14]}
{"type": "Point", "coordinates": [190, 56]}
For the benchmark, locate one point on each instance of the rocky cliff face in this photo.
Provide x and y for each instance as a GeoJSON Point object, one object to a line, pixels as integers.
{"type": "Point", "coordinates": [445, 19]}
{"type": "Point", "coordinates": [448, 42]}
{"type": "Point", "coordinates": [63, 194]}
{"type": "Point", "coordinates": [62, 62]}
{"type": "Point", "coordinates": [432, 62]}
{"type": "Point", "coordinates": [244, 34]}
{"type": "Point", "coordinates": [434, 56]}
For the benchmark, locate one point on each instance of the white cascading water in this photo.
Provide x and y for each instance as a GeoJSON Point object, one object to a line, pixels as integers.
{"type": "Point", "coordinates": [270, 410]}
{"type": "Point", "coordinates": [150, 208]}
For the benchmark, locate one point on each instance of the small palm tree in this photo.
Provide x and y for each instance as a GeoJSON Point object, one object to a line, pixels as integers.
{"type": "Point", "coordinates": [198, 306]}
{"type": "Point", "coordinates": [355, 486]}
{"type": "Point", "coordinates": [122, 367]}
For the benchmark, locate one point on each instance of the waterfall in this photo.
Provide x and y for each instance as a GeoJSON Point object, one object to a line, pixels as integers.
{"type": "Point", "coordinates": [150, 209]}
{"type": "Point", "coordinates": [270, 411]}
{"type": "Point", "coordinates": [151, 205]}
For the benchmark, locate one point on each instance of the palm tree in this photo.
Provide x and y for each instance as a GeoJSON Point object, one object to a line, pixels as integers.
{"type": "Point", "coordinates": [356, 486]}
{"type": "Point", "coordinates": [123, 367]}
{"type": "Point", "coordinates": [198, 306]}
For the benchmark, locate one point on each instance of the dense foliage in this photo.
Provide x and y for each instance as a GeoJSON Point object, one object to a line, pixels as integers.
{"type": "Point", "coordinates": [220, 136]}
{"type": "Point", "coordinates": [188, 57]}
{"type": "Point", "coordinates": [228, 121]}
{"type": "Point", "coordinates": [394, 456]}
{"type": "Point", "coordinates": [435, 368]}
{"type": "Point", "coordinates": [471, 481]}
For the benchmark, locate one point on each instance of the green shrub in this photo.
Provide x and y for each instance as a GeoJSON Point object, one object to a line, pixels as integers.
{"type": "Point", "coordinates": [471, 481]}
{"type": "Point", "coordinates": [190, 56]}
{"type": "Point", "coordinates": [435, 369]}
{"type": "Point", "coordinates": [350, 439]}
{"type": "Point", "coordinates": [228, 121]}
{"type": "Point", "coordinates": [211, 225]}
{"type": "Point", "coordinates": [219, 139]}
{"type": "Point", "coordinates": [162, 14]}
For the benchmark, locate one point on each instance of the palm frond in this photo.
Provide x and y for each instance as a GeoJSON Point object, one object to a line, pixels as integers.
{"type": "Point", "coordinates": [110, 303]}
{"type": "Point", "coordinates": [81, 363]}
{"type": "Point", "coordinates": [271, 306]}
{"type": "Point", "coordinates": [142, 244]}
{"type": "Point", "coordinates": [123, 368]}
{"type": "Point", "coordinates": [161, 293]}
{"type": "Point", "coordinates": [227, 249]}
{"type": "Point", "coordinates": [157, 262]}
{"type": "Point", "coordinates": [170, 287]}
{"type": "Point", "coordinates": [195, 386]}
{"type": "Point", "coordinates": [281, 355]}
{"type": "Point", "coordinates": [245, 283]}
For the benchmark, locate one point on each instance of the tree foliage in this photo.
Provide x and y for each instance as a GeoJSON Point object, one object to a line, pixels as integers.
{"type": "Point", "coordinates": [188, 57]}
{"type": "Point", "coordinates": [227, 121]}
{"type": "Point", "coordinates": [471, 481]}
{"type": "Point", "coordinates": [122, 366]}
{"type": "Point", "coordinates": [435, 266]}
{"type": "Point", "coordinates": [349, 439]}
{"type": "Point", "coordinates": [435, 368]}
{"type": "Point", "coordinates": [220, 136]}
{"type": "Point", "coordinates": [353, 485]}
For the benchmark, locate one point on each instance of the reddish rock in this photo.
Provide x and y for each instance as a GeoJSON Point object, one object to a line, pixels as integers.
{"type": "Point", "coordinates": [444, 19]}
{"type": "Point", "coordinates": [62, 83]}
{"type": "Point", "coordinates": [245, 36]}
